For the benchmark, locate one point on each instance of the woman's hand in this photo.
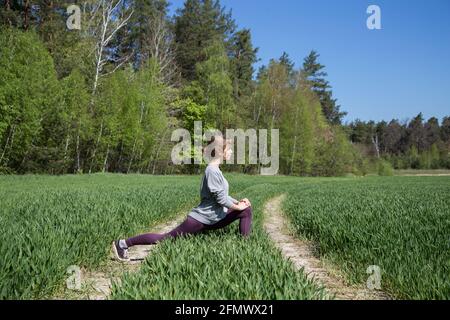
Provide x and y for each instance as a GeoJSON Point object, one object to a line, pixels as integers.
{"type": "Point", "coordinates": [246, 201]}
{"type": "Point", "coordinates": [240, 206]}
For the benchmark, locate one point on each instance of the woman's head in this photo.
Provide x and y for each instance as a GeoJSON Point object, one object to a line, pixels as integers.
{"type": "Point", "coordinates": [218, 148]}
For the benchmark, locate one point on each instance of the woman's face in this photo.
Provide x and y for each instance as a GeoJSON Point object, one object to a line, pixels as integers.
{"type": "Point", "coordinates": [228, 152]}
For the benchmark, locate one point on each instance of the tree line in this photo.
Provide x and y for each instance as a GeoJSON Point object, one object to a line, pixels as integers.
{"type": "Point", "coordinates": [106, 98]}
{"type": "Point", "coordinates": [416, 144]}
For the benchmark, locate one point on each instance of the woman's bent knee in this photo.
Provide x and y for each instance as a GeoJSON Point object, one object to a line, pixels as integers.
{"type": "Point", "coordinates": [248, 211]}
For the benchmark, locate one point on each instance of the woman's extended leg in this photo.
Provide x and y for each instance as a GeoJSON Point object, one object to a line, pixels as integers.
{"type": "Point", "coordinates": [245, 223]}
{"type": "Point", "coordinates": [190, 225]}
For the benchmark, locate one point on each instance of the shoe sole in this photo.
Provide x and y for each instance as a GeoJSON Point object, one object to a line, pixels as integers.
{"type": "Point", "coordinates": [116, 254]}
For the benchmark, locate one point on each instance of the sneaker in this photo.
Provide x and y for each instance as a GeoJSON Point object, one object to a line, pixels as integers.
{"type": "Point", "coordinates": [119, 253]}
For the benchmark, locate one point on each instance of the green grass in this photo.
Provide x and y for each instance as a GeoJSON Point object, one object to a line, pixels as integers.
{"type": "Point", "coordinates": [49, 223]}
{"type": "Point", "coordinates": [401, 224]}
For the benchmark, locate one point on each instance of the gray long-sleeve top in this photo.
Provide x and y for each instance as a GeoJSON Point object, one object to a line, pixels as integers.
{"type": "Point", "coordinates": [215, 201]}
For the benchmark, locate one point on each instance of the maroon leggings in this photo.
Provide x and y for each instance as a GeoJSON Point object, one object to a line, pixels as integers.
{"type": "Point", "coordinates": [191, 226]}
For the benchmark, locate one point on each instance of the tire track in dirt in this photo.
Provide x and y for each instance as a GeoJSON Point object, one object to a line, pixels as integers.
{"type": "Point", "coordinates": [301, 254]}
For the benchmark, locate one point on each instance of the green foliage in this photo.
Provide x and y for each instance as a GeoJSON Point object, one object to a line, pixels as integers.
{"type": "Point", "coordinates": [298, 138]}
{"type": "Point", "coordinates": [191, 112]}
{"type": "Point", "coordinates": [415, 144]}
{"type": "Point", "coordinates": [198, 25]}
{"type": "Point", "coordinates": [129, 117]}
{"type": "Point", "coordinates": [243, 56]}
{"type": "Point", "coordinates": [362, 166]}
{"type": "Point", "coordinates": [336, 155]}
{"type": "Point", "coordinates": [309, 145]}
{"type": "Point", "coordinates": [214, 88]}
{"type": "Point", "coordinates": [53, 121]}
{"type": "Point", "coordinates": [384, 168]}
{"type": "Point", "coordinates": [77, 122]}
{"type": "Point", "coordinates": [273, 96]}
{"type": "Point", "coordinates": [313, 71]}
{"type": "Point", "coordinates": [133, 39]}
{"type": "Point", "coordinates": [29, 94]}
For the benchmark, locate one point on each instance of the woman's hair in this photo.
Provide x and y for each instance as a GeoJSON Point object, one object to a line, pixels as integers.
{"type": "Point", "coordinates": [216, 140]}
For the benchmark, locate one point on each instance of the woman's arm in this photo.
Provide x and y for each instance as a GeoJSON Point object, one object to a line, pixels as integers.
{"type": "Point", "coordinates": [233, 200]}
{"type": "Point", "coordinates": [215, 184]}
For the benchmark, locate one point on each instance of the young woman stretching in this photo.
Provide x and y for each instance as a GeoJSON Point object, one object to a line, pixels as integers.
{"type": "Point", "coordinates": [216, 209]}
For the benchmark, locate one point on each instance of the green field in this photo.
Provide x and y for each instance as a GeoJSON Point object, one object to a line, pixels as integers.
{"type": "Point", "coordinates": [401, 225]}
{"type": "Point", "coordinates": [48, 223]}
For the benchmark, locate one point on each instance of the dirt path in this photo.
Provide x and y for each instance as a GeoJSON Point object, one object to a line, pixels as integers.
{"type": "Point", "coordinates": [301, 253]}
{"type": "Point", "coordinates": [96, 285]}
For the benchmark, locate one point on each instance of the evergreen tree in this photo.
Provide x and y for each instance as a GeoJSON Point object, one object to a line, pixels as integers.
{"type": "Point", "coordinates": [392, 137]}
{"type": "Point", "coordinates": [445, 130]}
{"type": "Point", "coordinates": [313, 71]}
{"type": "Point", "coordinates": [15, 13]}
{"type": "Point", "coordinates": [197, 25]}
{"type": "Point", "coordinates": [286, 61]}
{"type": "Point", "coordinates": [432, 132]}
{"type": "Point", "coordinates": [242, 58]}
{"type": "Point", "coordinates": [133, 40]}
{"type": "Point", "coordinates": [215, 82]}
{"type": "Point", "coordinates": [416, 132]}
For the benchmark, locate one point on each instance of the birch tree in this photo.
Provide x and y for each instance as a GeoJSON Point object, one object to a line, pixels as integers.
{"type": "Point", "coordinates": [106, 19]}
{"type": "Point", "coordinates": [160, 45]}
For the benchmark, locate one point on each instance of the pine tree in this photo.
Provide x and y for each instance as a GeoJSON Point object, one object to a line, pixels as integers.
{"type": "Point", "coordinates": [313, 71]}
{"type": "Point", "coordinates": [445, 130]}
{"type": "Point", "coordinates": [416, 133]}
{"type": "Point", "coordinates": [286, 61]}
{"type": "Point", "coordinates": [214, 87]}
{"type": "Point", "coordinates": [432, 132]}
{"type": "Point", "coordinates": [133, 40]}
{"type": "Point", "coordinates": [242, 58]}
{"type": "Point", "coordinates": [15, 13]}
{"type": "Point", "coordinates": [197, 25]}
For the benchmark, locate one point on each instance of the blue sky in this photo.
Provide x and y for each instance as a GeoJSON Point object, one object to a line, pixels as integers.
{"type": "Point", "coordinates": [395, 72]}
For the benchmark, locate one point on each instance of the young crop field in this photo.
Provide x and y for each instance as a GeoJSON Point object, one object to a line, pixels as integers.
{"type": "Point", "coordinates": [220, 265]}
{"type": "Point", "coordinates": [48, 223]}
{"type": "Point", "coordinates": [400, 224]}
